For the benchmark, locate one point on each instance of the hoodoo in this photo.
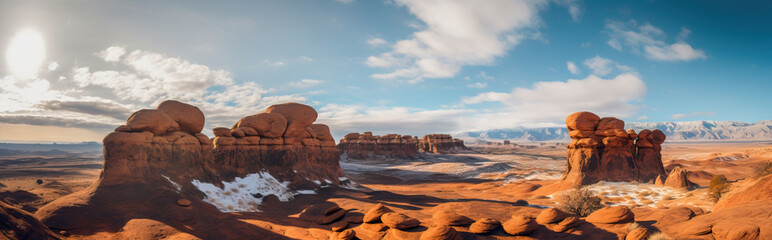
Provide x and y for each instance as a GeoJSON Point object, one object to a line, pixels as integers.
{"type": "Point", "coordinates": [601, 150]}
{"type": "Point", "coordinates": [160, 159]}
{"type": "Point", "coordinates": [361, 146]}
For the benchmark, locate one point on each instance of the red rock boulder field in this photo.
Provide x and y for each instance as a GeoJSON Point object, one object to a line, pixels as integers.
{"type": "Point", "coordinates": [366, 145]}
{"type": "Point", "coordinates": [160, 159]}
{"type": "Point", "coordinates": [602, 150]}
{"type": "Point", "coordinates": [441, 143]}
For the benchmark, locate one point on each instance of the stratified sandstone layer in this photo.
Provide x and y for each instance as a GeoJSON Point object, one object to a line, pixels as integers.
{"type": "Point", "coordinates": [159, 166]}
{"type": "Point", "coordinates": [602, 150]}
{"type": "Point", "coordinates": [441, 143]}
{"type": "Point", "coordinates": [19, 224]}
{"type": "Point", "coordinates": [363, 146]}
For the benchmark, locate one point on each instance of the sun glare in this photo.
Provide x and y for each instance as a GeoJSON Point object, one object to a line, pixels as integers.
{"type": "Point", "coordinates": [26, 53]}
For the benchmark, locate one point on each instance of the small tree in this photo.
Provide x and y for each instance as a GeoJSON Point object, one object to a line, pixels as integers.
{"type": "Point", "coordinates": [580, 201]}
{"type": "Point", "coordinates": [719, 185]}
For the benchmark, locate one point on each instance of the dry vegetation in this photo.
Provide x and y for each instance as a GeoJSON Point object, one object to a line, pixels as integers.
{"type": "Point", "coordinates": [719, 185]}
{"type": "Point", "coordinates": [580, 201]}
{"type": "Point", "coordinates": [763, 169]}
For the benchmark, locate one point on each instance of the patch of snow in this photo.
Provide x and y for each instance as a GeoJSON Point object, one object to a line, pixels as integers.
{"type": "Point", "coordinates": [174, 184]}
{"type": "Point", "coordinates": [317, 182]}
{"type": "Point", "coordinates": [342, 179]}
{"type": "Point", "coordinates": [305, 192]}
{"type": "Point", "coordinates": [244, 194]}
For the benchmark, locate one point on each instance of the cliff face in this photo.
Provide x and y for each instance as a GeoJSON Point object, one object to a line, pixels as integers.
{"type": "Point", "coordinates": [441, 143]}
{"type": "Point", "coordinates": [362, 146]}
{"type": "Point", "coordinates": [601, 150]}
{"type": "Point", "coordinates": [159, 166]}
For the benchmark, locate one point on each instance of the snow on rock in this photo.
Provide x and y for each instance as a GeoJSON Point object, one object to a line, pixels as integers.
{"type": "Point", "coordinates": [174, 184]}
{"type": "Point", "coordinates": [246, 194]}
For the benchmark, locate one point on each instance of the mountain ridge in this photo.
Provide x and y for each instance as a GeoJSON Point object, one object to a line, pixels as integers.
{"type": "Point", "coordinates": [675, 131]}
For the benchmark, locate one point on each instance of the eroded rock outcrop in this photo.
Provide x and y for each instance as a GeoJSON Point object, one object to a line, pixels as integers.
{"type": "Point", "coordinates": [160, 157]}
{"type": "Point", "coordinates": [366, 145]}
{"type": "Point", "coordinates": [602, 150]}
{"type": "Point", "coordinates": [441, 143]}
{"type": "Point", "coordinates": [678, 179]}
{"type": "Point", "coordinates": [16, 223]}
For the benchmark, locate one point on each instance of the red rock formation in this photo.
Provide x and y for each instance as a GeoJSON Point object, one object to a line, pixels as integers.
{"type": "Point", "coordinates": [19, 224]}
{"type": "Point", "coordinates": [159, 158]}
{"type": "Point", "coordinates": [363, 146]}
{"type": "Point", "coordinates": [441, 143]}
{"type": "Point", "coordinates": [678, 179]}
{"type": "Point", "coordinates": [601, 150]}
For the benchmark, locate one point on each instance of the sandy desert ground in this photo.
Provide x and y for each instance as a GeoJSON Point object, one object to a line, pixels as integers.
{"type": "Point", "coordinates": [489, 181]}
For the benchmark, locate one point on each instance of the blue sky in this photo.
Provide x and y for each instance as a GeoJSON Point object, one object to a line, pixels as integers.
{"type": "Point", "coordinates": [403, 66]}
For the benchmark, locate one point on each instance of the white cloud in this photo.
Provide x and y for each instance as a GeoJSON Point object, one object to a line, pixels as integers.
{"type": "Point", "coordinates": [674, 52]}
{"type": "Point", "coordinates": [603, 66]}
{"type": "Point", "coordinates": [477, 85]}
{"type": "Point", "coordinates": [572, 67]}
{"type": "Point", "coordinates": [550, 101]}
{"type": "Point", "coordinates": [648, 40]}
{"type": "Point", "coordinates": [383, 120]}
{"type": "Point", "coordinates": [52, 66]}
{"type": "Point", "coordinates": [345, 1]}
{"type": "Point", "coordinates": [692, 114]}
{"type": "Point", "coordinates": [307, 59]}
{"type": "Point", "coordinates": [112, 54]}
{"type": "Point", "coordinates": [574, 8]}
{"type": "Point", "coordinates": [457, 33]}
{"type": "Point", "coordinates": [101, 99]}
{"type": "Point", "coordinates": [376, 42]}
{"type": "Point", "coordinates": [306, 83]}
{"type": "Point", "coordinates": [274, 63]}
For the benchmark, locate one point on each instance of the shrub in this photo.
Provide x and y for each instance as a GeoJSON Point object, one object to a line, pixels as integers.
{"type": "Point", "coordinates": [763, 169]}
{"type": "Point", "coordinates": [718, 186]}
{"type": "Point", "coordinates": [658, 236]}
{"type": "Point", "coordinates": [580, 201]}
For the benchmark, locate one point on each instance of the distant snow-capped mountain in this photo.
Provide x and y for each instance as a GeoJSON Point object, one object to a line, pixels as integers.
{"type": "Point", "coordinates": [686, 131]}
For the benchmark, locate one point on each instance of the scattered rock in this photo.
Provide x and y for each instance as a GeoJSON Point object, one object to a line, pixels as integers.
{"type": "Point", "coordinates": [399, 220]}
{"type": "Point", "coordinates": [565, 225]}
{"type": "Point", "coordinates": [375, 213]}
{"type": "Point", "coordinates": [333, 216]}
{"type": "Point", "coordinates": [484, 225]}
{"type": "Point", "coordinates": [550, 215]}
{"type": "Point", "coordinates": [611, 215]}
{"type": "Point", "coordinates": [678, 179]}
{"type": "Point", "coordinates": [339, 226]}
{"type": "Point", "coordinates": [441, 233]}
{"type": "Point", "coordinates": [519, 225]}
{"type": "Point", "coordinates": [347, 234]}
{"type": "Point", "coordinates": [183, 202]}
{"type": "Point", "coordinates": [640, 233]}
{"type": "Point", "coordinates": [450, 218]}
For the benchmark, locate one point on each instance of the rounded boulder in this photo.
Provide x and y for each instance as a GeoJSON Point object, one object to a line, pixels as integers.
{"type": "Point", "coordinates": [611, 215]}
{"type": "Point", "coordinates": [270, 125]}
{"type": "Point", "coordinates": [189, 117]}
{"type": "Point", "coordinates": [299, 116]}
{"type": "Point", "coordinates": [585, 121]}
{"type": "Point", "coordinates": [150, 120]}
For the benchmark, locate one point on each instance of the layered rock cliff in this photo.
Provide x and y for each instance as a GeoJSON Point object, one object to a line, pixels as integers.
{"type": "Point", "coordinates": [159, 166]}
{"type": "Point", "coordinates": [441, 143]}
{"type": "Point", "coordinates": [601, 150]}
{"type": "Point", "coordinates": [366, 145]}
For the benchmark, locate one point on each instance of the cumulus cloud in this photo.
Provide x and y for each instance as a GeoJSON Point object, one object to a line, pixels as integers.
{"type": "Point", "coordinates": [457, 33]}
{"type": "Point", "coordinates": [103, 98]}
{"type": "Point", "coordinates": [603, 66]}
{"type": "Point", "coordinates": [380, 120]}
{"type": "Point", "coordinates": [572, 67]}
{"type": "Point", "coordinates": [112, 54]}
{"type": "Point", "coordinates": [306, 83]}
{"type": "Point", "coordinates": [548, 101]}
{"type": "Point", "coordinates": [574, 8]}
{"type": "Point", "coordinates": [692, 114]}
{"type": "Point", "coordinates": [648, 40]}
{"type": "Point", "coordinates": [376, 42]}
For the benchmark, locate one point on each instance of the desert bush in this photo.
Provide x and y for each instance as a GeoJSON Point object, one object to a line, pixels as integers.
{"type": "Point", "coordinates": [658, 236]}
{"type": "Point", "coordinates": [718, 186]}
{"type": "Point", "coordinates": [580, 201]}
{"type": "Point", "coordinates": [763, 169]}
{"type": "Point", "coordinates": [632, 226]}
